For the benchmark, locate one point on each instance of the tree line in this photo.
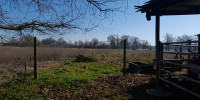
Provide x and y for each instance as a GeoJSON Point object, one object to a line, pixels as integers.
{"type": "Point", "coordinates": [168, 38]}
{"type": "Point", "coordinates": [113, 42]}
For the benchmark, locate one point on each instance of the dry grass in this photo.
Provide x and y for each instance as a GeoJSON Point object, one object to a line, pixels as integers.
{"type": "Point", "coordinates": [10, 55]}
{"type": "Point", "coordinates": [12, 59]}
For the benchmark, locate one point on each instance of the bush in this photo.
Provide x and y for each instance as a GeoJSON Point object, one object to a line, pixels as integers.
{"type": "Point", "coordinates": [81, 58]}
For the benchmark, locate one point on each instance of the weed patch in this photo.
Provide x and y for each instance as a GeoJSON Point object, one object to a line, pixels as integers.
{"type": "Point", "coordinates": [81, 58]}
{"type": "Point", "coordinates": [53, 82]}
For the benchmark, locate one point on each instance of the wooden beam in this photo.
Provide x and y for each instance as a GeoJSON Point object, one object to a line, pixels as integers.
{"type": "Point", "coordinates": [173, 12]}
{"type": "Point", "coordinates": [157, 37]}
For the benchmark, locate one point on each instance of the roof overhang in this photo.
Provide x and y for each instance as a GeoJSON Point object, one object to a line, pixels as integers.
{"type": "Point", "coordinates": [169, 7]}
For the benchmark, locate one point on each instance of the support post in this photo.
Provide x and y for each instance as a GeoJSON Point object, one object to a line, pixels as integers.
{"type": "Point", "coordinates": [161, 50]}
{"type": "Point", "coordinates": [35, 58]}
{"type": "Point", "coordinates": [158, 91]}
{"type": "Point", "coordinates": [161, 57]}
{"type": "Point", "coordinates": [25, 70]}
{"type": "Point", "coordinates": [180, 52]}
{"type": "Point", "coordinates": [124, 73]}
{"type": "Point", "coordinates": [157, 37]}
{"type": "Point", "coordinates": [189, 48]}
{"type": "Point", "coordinates": [198, 47]}
{"type": "Point", "coordinates": [176, 57]}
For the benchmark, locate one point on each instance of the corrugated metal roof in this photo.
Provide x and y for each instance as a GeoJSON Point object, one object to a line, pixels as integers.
{"type": "Point", "coordinates": [170, 7]}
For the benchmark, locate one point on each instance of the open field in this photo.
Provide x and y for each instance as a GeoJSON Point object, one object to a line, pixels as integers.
{"type": "Point", "coordinates": [59, 77]}
{"type": "Point", "coordinates": [23, 54]}
{"type": "Point", "coordinates": [13, 59]}
{"type": "Point", "coordinates": [62, 74]}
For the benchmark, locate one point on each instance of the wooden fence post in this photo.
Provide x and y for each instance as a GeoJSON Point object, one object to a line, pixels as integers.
{"type": "Point", "coordinates": [176, 57]}
{"type": "Point", "coordinates": [124, 73]}
{"type": "Point", "coordinates": [157, 37]}
{"type": "Point", "coordinates": [161, 50]}
{"type": "Point", "coordinates": [35, 58]}
{"type": "Point", "coordinates": [189, 48]}
{"type": "Point", "coordinates": [198, 47]}
{"type": "Point", "coordinates": [180, 52]}
{"type": "Point", "coordinates": [25, 70]}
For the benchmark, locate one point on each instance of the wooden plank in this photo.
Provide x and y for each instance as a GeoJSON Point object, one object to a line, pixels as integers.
{"type": "Point", "coordinates": [180, 42]}
{"type": "Point", "coordinates": [194, 68]}
{"type": "Point", "coordinates": [181, 53]}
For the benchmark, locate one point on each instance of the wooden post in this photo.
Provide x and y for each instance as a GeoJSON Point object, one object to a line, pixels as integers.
{"type": "Point", "coordinates": [180, 52]}
{"type": "Point", "coordinates": [198, 47]}
{"type": "Point", "coordinates": [189, 48]}
{"type": "Point", "coordinates": [124, 73]}
{"type": "Point", "coordinates": [161, 50]}
{"type": "Point", "coordinates": [25, 70]}
{"type": "Point", "coordinates": [35, 58]}
{"type": "Point", "coordinates": [176, 57]}
{"type": "Point", "coordinates": [161, 57]}
{"type": "Point", "coordinates": [157, 37]}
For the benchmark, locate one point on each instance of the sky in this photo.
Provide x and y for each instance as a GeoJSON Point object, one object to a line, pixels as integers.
{"type": "Point", "coordinates": [135, 24]}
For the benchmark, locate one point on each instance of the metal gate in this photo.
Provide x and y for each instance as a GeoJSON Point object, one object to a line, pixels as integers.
{"type": "Point", "coordinates": [179, 65]}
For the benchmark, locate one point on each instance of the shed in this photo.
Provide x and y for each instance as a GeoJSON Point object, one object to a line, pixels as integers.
{"type": "Point", "coordinates": [159, 8]}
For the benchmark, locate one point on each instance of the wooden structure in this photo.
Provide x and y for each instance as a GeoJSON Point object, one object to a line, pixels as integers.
{"type": "Point", "coordinates": [159, 8]}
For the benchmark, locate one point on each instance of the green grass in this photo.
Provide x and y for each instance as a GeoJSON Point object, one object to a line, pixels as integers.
{"type": "Point", "coordinates": [114, 55]}
{"type": "Point", "coordinates": [57, 80]}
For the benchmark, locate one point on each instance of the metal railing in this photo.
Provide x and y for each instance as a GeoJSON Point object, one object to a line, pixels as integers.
{"type": "Point", "coordinates": [173, 69]}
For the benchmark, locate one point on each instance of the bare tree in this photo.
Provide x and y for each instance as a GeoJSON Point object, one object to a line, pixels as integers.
{"type": "Point", "coordinates": [118, 41]}
{"type": "Point", "coordinates": [48, 42]}
{"type": "Point", "coordinates": [86, 44]}
{"type": "Point", "coordinates": [102, 44]}
{"type": "Point", "coordinates": [69, 44]}
{"type": "Point", "coordinates": [80, 44]}
{"type": "Point", "coordinates": [168, 38]}
{"type": "Point", "coordinates": [125, 37]}
{"type": "Point", "coordinates": [111, 39]}
{"type": "Point", "coordinates": [13, 41]}
{"type": "Point", "coordinates": [95, 42]}
{"type": "Point", "coordinates": [75, 44]}
{"type": "Point", "coordinates": [61, 42]}
{"type": "Point", "coordinates": [185, 38]}
{"type": "Point", "coordinates": [135, 42]}
{"type": "Point", "coordinates": [144, 44]}
{"type": "Point", "coordinates": [51, 16]}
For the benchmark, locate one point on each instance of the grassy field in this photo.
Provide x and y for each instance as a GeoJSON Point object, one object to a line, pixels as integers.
{"type": "Point", "coordinates": [23, 54]}
{"type": "Point", "coordinates": [57, 80]}
{"type": "Point", "coordinates": [64, 74]}
{"type": "Point", "coordinates": [13, 59]}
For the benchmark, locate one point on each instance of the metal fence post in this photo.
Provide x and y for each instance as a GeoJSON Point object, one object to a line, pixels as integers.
{"type": "Point", "coordinates": [124, 72]}
{"type": "Point", "coordinates": [35, 58]}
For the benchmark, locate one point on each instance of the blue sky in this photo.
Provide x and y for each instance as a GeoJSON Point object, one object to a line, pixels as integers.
{"type": "Point", "coordinates": [135, 24]}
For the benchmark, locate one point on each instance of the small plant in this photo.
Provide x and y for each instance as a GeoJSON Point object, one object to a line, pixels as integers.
{"type": "Point", "coordinates": [81, 58]}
